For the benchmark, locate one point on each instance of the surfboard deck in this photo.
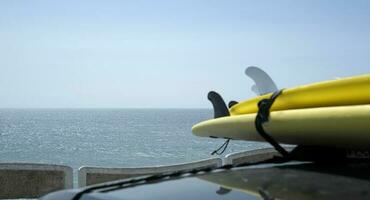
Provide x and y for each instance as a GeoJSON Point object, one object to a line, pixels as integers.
{"type": "Point", "coordinates": [344, 126]}
{"type": "Point", "coordinates": [345, 91]}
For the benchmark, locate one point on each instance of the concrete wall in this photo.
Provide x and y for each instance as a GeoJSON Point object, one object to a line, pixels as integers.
{"type": "Point", "coordinates": [24, 180]}
{"type": "Point", "coordinates": [94, 175]}
{"type": "Point", "coordinates": [251, 156]}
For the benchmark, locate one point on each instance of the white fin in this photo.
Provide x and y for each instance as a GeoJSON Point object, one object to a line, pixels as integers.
{"type": "Point", "coordinates": [263, 82]}
{"type": "Point", "coordinates": [255, 89]}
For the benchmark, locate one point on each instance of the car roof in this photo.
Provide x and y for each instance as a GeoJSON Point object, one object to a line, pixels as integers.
{"type": "Point", "coordinates": [290, 180]}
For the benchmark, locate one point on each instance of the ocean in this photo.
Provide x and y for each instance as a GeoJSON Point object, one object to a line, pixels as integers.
{"type": "Point", "coordinates": [107, 137]}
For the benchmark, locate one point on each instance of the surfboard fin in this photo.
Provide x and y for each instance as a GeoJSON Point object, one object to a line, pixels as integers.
{"type": "Point", "coordinates": [263, 82]}
{"type": "Point", "coordinates": [232, 103]}
{"type": "Point", "coordinates": [219, 107]}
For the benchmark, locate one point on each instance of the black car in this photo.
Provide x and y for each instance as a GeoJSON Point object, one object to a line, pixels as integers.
{"type": "Point", "coordinates": [275, 178]}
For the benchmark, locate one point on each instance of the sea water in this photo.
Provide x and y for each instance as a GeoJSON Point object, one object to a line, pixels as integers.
{"type": "Point", "coordinates": [107, 137]}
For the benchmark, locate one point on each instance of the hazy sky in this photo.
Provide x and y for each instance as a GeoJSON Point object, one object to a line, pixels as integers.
{"type": "Point", "coordinates": [171, 53]}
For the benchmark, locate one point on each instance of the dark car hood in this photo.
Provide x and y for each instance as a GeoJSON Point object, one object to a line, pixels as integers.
{"type": "Point", "coordinates": [280, 181]}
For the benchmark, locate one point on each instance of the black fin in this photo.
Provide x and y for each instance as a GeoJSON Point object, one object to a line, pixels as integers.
{"type": "Point", "coordinates": [232, 103]}
{"type": "Point", "coordinates": [219, 107]}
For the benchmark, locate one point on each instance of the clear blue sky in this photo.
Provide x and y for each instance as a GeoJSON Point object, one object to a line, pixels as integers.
{"type": "Point", "coordinates": [123, 54]}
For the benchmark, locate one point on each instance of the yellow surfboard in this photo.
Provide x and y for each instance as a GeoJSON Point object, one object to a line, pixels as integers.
{"type": "Point", "coordinates": [345, 91]}
{"type": "Point", "coordinates": [344, 126]}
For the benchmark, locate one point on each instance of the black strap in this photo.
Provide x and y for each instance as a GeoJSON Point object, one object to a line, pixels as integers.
{"type": "Point", "coordinates": [263, 116]}
{"type": "Point", "coordinates": [224, 146]}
